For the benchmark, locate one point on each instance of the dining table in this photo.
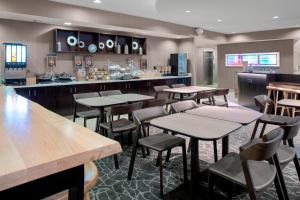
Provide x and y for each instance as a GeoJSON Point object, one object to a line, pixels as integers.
{"type": "Point", "coordinates": [197, 128]}
{"type": "Point", "coordinates": [103, 102]}
{"type": "Point", "coordinates": [43, 153]}
{"type": "Point", "coordinates": [188, 90]}
{"type": "Point", "coordinates": [242, 116]}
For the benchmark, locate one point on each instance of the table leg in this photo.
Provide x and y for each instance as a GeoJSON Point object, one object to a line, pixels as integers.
{"type": "Point", "coordinates": [225, 145]}
{"type": "Point", "coordinates": [181, 97]}
{"type": "Point", "coordinates": [194, 167]}
{"type": "Point", "coordinates": [101, 120]}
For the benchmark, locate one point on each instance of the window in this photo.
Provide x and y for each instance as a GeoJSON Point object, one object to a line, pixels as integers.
{"type": "Point", "coordinates": [253, 59]}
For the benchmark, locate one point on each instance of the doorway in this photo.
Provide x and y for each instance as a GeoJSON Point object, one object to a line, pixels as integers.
{"type": "Point", "coordinates": [208, 67]}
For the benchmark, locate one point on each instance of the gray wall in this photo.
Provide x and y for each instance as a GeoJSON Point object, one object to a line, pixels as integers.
{"type": "Point", "coordinates": [227, 75]}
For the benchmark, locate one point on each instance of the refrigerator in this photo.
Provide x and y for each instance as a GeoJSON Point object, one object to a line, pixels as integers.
{"type": "Point", "coordinates": [178, 63]}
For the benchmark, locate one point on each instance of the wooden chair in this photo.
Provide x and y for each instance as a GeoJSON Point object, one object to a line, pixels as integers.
{"type": "Point", "coordinates": [159, 142]}
{"type": "Point", "coordinates": [264, 103]}
{"type": "Point", "coordinates": [183, 106]}
{"type": "Point", "coordinates": [109, 93]}
{"type": "Point", "coordinates": [154, 103]}
{"type": "Point", "coordinates": [185, 97]}
{"type": "Point", "coordinates": [209, 95]}
{"type": "Point", "coordinates": [161, 94]}
{"type": "Point", "coordinates": [116, 128]}
{"type": "Point", "coordinates": [248, 168]}
{"type": "Point", "coordinates": [285, 153]}
{"type": "Point", "coordinates": [89, 114]}
{"type": "Point", "coordinates": [90, 180]}
{"type": "Point", "coordinates": [221, 92]}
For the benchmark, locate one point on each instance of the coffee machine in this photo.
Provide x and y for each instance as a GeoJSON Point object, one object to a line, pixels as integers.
{"type": "Point", "coordinates": [15, 64]}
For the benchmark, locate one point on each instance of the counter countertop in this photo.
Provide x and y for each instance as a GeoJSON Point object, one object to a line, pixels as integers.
{"type": "Point", "coordinates": [35, 142]}
{"type": "Point", "coordinates": [98, 81]}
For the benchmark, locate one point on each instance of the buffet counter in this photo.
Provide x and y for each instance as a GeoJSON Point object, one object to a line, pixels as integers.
{"type": "Point", "coordinates": [58, 97]}
{"type": "Point", "coordinates": [99, 81]}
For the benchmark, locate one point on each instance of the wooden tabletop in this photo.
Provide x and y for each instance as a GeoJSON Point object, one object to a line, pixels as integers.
{"type": "Point", "coordinates": [241, 116]}
{"type": "Point", "coordinates": [283, 86]}
{"type": "Point", "coordinates": [132, 97]}
{"type": "Point", "coordinates": [199, 127]}
{"type": "Point", "coordinates": [289, 102]}
{"type": "Point", "coordinates": [189, 89]}
{"type": "Point", "coordinates": [35, 142]}
{"type": "Point", "coordinates": [98, 102]}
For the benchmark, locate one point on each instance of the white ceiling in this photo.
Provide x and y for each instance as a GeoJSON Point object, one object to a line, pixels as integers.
{"type": "Point", "coordinates": [238, 15]}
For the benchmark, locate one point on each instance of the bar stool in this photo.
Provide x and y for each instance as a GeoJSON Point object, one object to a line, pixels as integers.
{"type": "Point", "coordinates": [290, 103]}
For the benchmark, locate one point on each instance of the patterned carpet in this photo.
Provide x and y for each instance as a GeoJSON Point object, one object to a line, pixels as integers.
{"type": "Point", "coordinates": [113, 185]}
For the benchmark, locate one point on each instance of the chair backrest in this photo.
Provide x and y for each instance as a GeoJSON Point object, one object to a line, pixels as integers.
{"type": "Point", "coordinates": [154, 103]}
{"type": "Point", "coordinates": [291, 129]}
{"type": "Point", "coordinates": [110, 92]}
{"type": "Point", "coordinates": [264, 148]}
{"type": "Point", "coordinates": [159, 92]}
{"type": "Point", "coordinates": [183, 106]}
{"type": "Point", "coordinates": [85, 95]}
{"type": "Point", "coordinates": [149, 113]}
{"type": "Point", "coordinates": [261, 101]}
{"type": "Point", "coordinates": [178, 85]}
{"type": "Point", "coordinates": [205, 94]}
{"type": "Point", "coordinates": [125, 109]}
{"type": "Point", "coordinates": [221, 91]}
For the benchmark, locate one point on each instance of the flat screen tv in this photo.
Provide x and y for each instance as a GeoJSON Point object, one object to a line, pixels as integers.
{"type": "Point", "coordinates": [271, 59]}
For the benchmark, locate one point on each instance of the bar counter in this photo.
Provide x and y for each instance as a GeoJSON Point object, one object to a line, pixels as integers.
{"type": "Point", "coordinates": [252, 84]}
{"type": "Point", "coordinates": [36, 143]}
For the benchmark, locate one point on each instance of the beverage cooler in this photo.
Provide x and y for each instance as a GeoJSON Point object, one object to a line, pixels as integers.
{"type": "Point", "coordinates": [178, 63]}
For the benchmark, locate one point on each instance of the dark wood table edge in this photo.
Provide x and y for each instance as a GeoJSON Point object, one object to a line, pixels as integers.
{"type": "Point", "coordinates": [70, 179]}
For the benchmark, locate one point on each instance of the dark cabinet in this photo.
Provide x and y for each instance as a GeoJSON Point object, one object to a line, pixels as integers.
{"type": "Point", "coordinates": [59, 99]}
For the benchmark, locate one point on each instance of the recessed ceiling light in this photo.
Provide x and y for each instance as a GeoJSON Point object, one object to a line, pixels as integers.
{"type": "Point", "coordinates": [97, 1]}
{"type": "Point", "coordinates": [187, 11]}
{"type": "Point", "coordinates": [68, 23]}
{"type": "Point", "coordinates": [219, 20]}
{"type": "Point", "coordinates": [275, 17]}
{"type": "Point", "coordinates": [233, 32]}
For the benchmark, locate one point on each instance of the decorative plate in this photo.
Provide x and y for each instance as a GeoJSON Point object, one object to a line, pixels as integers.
{"type": "Point", "coordinates": [81, 44]}
{"type": "Point", "coordinates": [92, 48]}
{"type": "Point", "coordinates": [101, 45]}
{"type": "Point", "coordinates": [135, 45]}
{"type": "Point", "coordinates": [110, 43]}
{"type": "Point", "coordinates": [72, 41]}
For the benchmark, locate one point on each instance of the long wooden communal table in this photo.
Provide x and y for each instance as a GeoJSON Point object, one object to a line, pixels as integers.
{"type": "Point", "coordinates": [43, 153]}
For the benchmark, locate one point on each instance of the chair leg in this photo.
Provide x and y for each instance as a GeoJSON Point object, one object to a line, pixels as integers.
{"type": "Point", "coordinates": [280, 177]}
{"type": "Point", "coordinates": [84, 122]}
{"type": "Point", "coordinates": [131, 165]}
{"type": "Point", "coordinates": [296, 161]}
{"type": "Point", "coordinates": [278, 188]}
{"type": "Point", "coordinates": [161, 174]}
{"type": "Point", "coordinates": [210, 193]}
{"type": "Point", "coordinates": [116, 161]}
{"type": "Point", "coordinates": [184, 164]}
{"type": "Point", "coordinates": [168, 155]}
{"type": "Point", "coordinates": [215, 150]}
{"type": "Point", "coordinates": [263, 130]}
{"type": "Point", "coordinates": [255, 129]}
